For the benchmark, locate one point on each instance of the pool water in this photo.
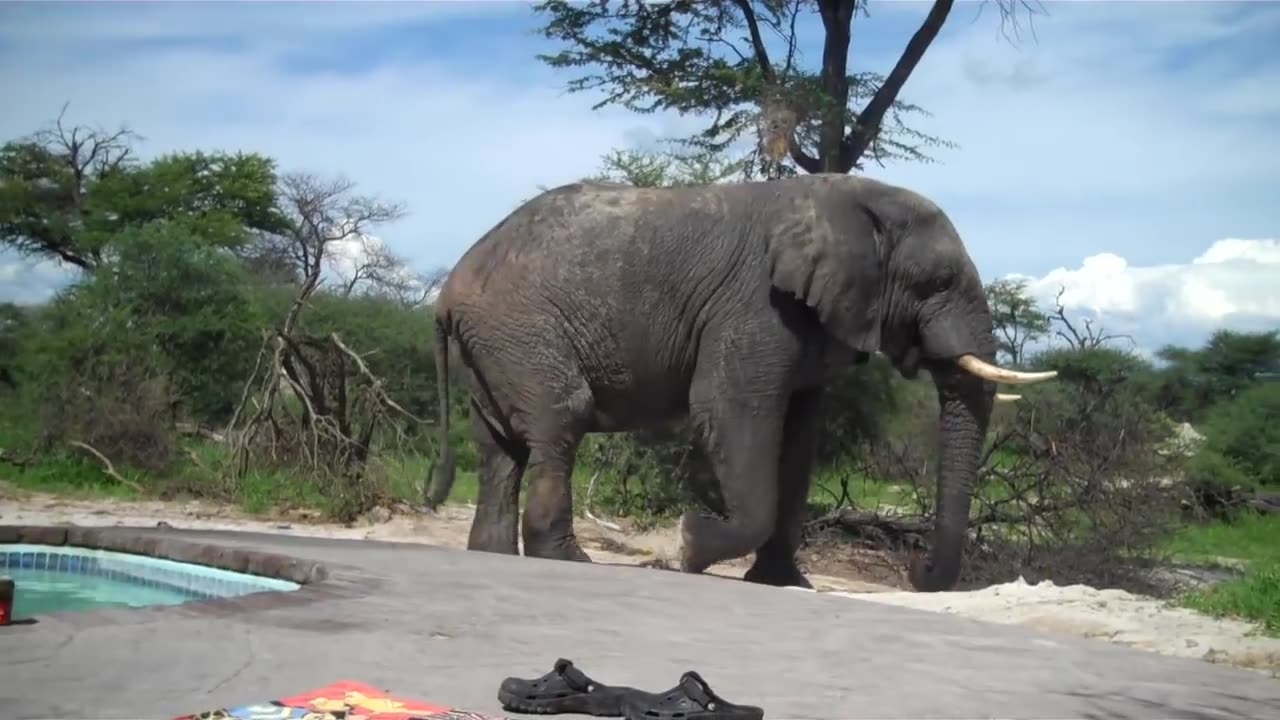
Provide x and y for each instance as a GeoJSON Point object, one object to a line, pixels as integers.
{"type": "Point", "coordinates": [55, 578]}
{"type": "Point", "coordinates": [44, 591]}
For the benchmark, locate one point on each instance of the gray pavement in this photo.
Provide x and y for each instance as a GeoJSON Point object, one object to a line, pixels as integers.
{"type": "Point", "coordinates": [447, 625]}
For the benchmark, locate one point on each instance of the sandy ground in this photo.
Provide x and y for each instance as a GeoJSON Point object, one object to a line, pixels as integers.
{"type": "Point", "coordinates": [1110, 615]}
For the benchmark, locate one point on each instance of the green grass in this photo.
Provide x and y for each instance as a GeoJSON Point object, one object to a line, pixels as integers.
{"type": "Point", "coordinates": [1255, 597]}
{"type": "Point", "coordinates": [1253, 539]}
{"type": "Point", "coordinates": [71, 476]}
{"type": "Point", "coordinates": [866, 492]}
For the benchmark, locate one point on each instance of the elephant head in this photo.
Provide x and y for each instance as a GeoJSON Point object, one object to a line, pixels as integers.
{"type": "Point", "coordinates": [886, 271]}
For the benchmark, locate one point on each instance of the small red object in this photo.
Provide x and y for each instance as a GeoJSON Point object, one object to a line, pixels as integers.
{"type": "Point", "coordinates": [6, 601]}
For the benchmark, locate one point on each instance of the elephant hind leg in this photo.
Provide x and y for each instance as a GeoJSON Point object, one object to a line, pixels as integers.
{"type": "Point", "coordinates": [743, 434]}
{"type": "Point", "coordinates": [547, 527]}
{"type": "Point", "coordinates": [502, 464]}
{"type": "Point", "coordinates": [775, 562]}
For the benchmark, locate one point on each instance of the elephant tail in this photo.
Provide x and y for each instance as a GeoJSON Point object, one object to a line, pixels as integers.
{"type": "Point", "coordinates": [442, 474]}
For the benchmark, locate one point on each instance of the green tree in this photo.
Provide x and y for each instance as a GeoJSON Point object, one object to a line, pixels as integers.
{"type": "Point", "coordinates": [1243, 430]}
{"type": "Point", "coordinates": [165, 300]}
{"type": "Point", "coordinates": [66, 192]}
{"type": "Point", "coordinates": [1193, 381]}
{"type": "Point", "coordinates": [665, 169]}
{"type": "Point", "coordinates": [15, 322]}
{"type": "Point", "coordinates": [1016, 318]}
{"type": "Point", "coordinates": [737, 63]}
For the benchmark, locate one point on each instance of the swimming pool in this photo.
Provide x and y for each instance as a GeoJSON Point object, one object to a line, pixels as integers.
{"type": "Point", "coordinates": [53, 578]}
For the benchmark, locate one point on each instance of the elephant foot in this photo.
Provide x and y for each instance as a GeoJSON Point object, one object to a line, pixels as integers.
{"type": "Point", "coordinates": [691, 561]}
{"type": "Point", "coordinates": [503, 543]}
{"type": "Point", "coordinates": [706, 540]}
{"type": "Point", "coordinates": [564, 550]}
{"type": "Point", "coordinates": [778, 574]}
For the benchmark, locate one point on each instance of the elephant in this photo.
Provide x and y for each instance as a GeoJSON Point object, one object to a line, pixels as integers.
{"type": "Point", "coordinates": [604, 307]}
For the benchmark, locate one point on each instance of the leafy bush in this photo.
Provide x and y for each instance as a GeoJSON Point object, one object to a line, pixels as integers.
{"type": "Point", "coordinates": [120, 411]}
{"type": "Point", "coordinates": [165, 302]}
{"type": "Point", "coordinates": [1242, 446]}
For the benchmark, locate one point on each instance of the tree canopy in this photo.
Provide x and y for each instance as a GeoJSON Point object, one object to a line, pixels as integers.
{"type": "Point", "coordinates": [1016, 319]}
{"type": "Point", "coordinates": [67, 191]}
{"type": "Point", "coordinates": [740, 63]}
{"type": "Point", "coordinates": [1195, 380]}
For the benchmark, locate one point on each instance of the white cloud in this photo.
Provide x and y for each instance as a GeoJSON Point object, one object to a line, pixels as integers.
{"type": "Point", "coordinates": [1091, 106]}
{"type": "Point", "coordinates": [1235, 283]}
{"type": "Point", "coordinates": [1133, 128]}
{"type": "Point", "coordinates": [460, 145]}
{"type": "Point", "coordinates": [30, 281]}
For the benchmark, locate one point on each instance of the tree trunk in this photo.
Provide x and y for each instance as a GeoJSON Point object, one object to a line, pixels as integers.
{"type": "Point", "coordinates": [837, 20]}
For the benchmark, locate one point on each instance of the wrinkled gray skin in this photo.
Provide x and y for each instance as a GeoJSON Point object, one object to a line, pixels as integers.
{"type": "Point", "coordinates": [605, 308]}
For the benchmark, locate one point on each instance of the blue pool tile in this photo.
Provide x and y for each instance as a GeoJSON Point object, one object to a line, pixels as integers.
{"type": "Point", "coordinates": [199, 583]}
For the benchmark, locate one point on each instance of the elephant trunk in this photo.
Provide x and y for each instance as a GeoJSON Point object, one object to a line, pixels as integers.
{"type": "Point", "coordinates": [440, 477]}
{"type": "Point", "coordinates": [964, 408]}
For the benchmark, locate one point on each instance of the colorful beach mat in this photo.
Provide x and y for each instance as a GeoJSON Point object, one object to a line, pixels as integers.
{"type": "Point", "coordinates": [342, 700]}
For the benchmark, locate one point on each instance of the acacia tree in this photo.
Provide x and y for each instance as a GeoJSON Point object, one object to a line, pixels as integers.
{"type": "Point", "coordinates": [1016, 318]}
{"type": "Point", "coordinates": [67, 191]}
{"type": "Point", "coordinates": [664, 169]}
{"type": "Point", "coordinates": [739, 63]}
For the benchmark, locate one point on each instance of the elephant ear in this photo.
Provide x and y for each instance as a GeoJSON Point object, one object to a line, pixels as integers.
{"type": "Point", "coordinates": [835, 265]}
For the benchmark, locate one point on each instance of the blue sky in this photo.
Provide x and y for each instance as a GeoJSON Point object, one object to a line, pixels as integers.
{"type": "Point", "coordinates": [1130, 151]}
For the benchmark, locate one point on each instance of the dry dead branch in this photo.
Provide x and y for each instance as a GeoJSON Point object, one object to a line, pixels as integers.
{"type": "Point", "coordinates": [7, 457]}
{"type": "Point", "coordinates": [107, 468]}
{"type": "Point", "coordinates": [312, 401]}
{"type": "Point", "coordinates": [193, 430]}
{"type": "Point", "coordinates": [586, 506]}
{"type": "Point", "coordinates": [1076, 338]}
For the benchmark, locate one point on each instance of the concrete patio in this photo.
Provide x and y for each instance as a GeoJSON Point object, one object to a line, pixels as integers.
{"type": "Point", "coordinates": [447, 625]}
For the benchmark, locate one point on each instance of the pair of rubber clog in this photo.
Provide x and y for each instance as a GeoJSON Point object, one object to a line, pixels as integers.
{"type": "Point", "coordinates": [567, 690]}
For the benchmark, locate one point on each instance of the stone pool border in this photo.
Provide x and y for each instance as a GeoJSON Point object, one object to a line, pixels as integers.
{"type": "Point", "coordinates": [317, 580]}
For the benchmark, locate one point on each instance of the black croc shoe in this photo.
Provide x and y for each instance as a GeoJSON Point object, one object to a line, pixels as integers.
{"type": "Point", "coordinates": [563, 690]}
{"type": "Point", "coordinates": [691, 699]}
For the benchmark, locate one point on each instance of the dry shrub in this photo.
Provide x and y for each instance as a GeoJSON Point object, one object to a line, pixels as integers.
{"type": "Point", "coordinates": [1072, 487]}
{"type": "Point", "coordinates": [122, 410]}
{"type": "Point", "coordinates": [312, 405]}
{"type": "Point", "coordinates": [1075, 489]}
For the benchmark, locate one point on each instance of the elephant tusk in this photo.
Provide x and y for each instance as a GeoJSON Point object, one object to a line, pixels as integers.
{"type": "Point", "coordinates": [987, 371]}
{"type": "Point", "coordinates": [1007, 397]}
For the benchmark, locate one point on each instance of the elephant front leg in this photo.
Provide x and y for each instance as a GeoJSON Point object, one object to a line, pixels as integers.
{"type": "Point", "coordinates": [776, 560]}
{"type": "Point", "coordinates": [548, 512]}
{"type": "Point", "coordinates": [496, 522]}
{"type": "Point", "coordinates": [743, 442]}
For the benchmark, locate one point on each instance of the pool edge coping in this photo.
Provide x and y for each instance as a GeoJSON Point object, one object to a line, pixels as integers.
{"type": "Point", "coordinates": [317, 581]}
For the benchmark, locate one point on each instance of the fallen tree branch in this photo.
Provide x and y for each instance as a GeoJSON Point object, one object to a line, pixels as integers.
{"type": "Point", "coordinates": [874, 529]}
{"type": "Point", "coordinates": [193, 430]}
{"type": "Point", "coordinates": [586, 506]}
{"type": "Point", "coordinates": [11, 459]}
{"type": "Point", "coordinates": [107, 468]}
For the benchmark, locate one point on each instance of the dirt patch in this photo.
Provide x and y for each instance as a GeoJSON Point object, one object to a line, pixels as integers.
{"type": "Point", "coordinates": [1111, 615]}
